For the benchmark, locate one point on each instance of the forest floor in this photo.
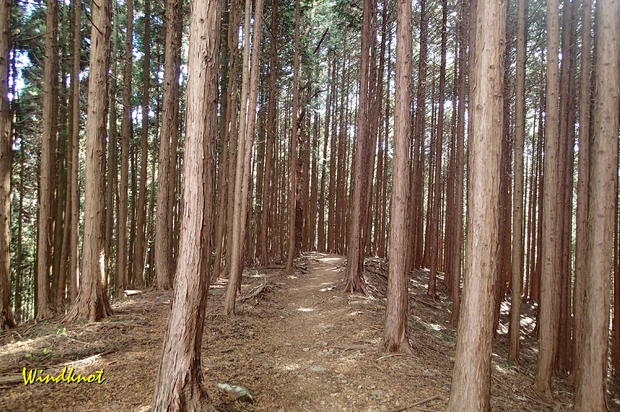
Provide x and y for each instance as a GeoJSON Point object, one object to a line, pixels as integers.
{"type": "Point", "coordinates": [299, 343]}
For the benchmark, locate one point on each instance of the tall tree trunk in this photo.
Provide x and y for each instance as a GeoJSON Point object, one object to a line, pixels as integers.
{"type": "Point", "coordinates": [476, 321]}
{"type": "Point", "coordinates": [74, 196]}
{"type": "Point", "coordinates": [122, 251]}
{"type": "Point", "coordinates": [164, 258]}
{"type": "Point", "coordinates": [111, 194]}
{"type": "Point", "coordinates": [139, 255]}
{"type": "Point", "coordinates": [548, 309]}
{"type": "Point", "coordinates": [395, 330]}
{"type": "Point", "coordinates": [19, 255]}
{"type": "Point", "coordinates": [455, 275]}
{"type": "Point", "coordinates": [590, 392]}
{"type": "Point", "coordinates": [292, 247]}
{"type": "Point", "coordinates": [355, 247]}
{"type": "Point", "coordinates": [179, 381]}
{"type": "Point", "coordinates": [231, 129]}
{"type": "Point", "coordinates": [517, 211]}
{"type": "Point", "coordinates": [417, 159]}
{"type": "Point", "coordinates": [48, 136]}
{"type": "Point", "coordinates": [268, 184]}
{"type": "Point", "coordinates": [6, 314]}
{"type": "Point", "coordinates": [92, 301]}
{"type": "Point", "coordinates": [244, 152]}
{"type": "Point", "coordinates": [581, 228]}
{"type": "Point", "coordinates": [436, 191]}
{"type": "Point", "coordinates": [565, 182]}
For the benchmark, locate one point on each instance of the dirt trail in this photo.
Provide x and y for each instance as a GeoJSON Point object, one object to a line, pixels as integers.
{"type": "Point", "coordinates": [301, 345]}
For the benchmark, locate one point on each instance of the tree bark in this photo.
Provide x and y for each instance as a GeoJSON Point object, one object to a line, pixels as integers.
{"type": "Point", "coordinates": [581, 227]}
{"type": "Point", "coordinates": [456, 268]}
{"type": "Point", "coordinates": [355, 247]}
{"type": "Point", "coordinates": [476, 322]}
{"type": "Point", "coordinates": [549, 278]}
{"type": "Point", "coordinates": [6, 314]}
{"type": "Point", "coordinates": [48, 136]}
{"type": "Point", "coordinates": [292, 247]}
{"type": "Point", "coordinates": [434, 223]}
{"type": "Point", "coordinates": [92, 302]}
{"type": "Point", "coordinates": [122, 251]}
{"type": "Point", "coordinates": [244, 150]}
{"type": "Point", "coordinates": [139, 255]}
{"type": "Point", "coordinates": [590, 392]}
{"type": "Point", "coordinates": [164, 258]}
{"type": "Point", "coordinates": [268, 185]}
{"type": "Point", "coordinates": [395, 330]}
{"type": "Point", "coordinates": [517, 211]}
{"type": "Point", "coordinates": [179, 381]}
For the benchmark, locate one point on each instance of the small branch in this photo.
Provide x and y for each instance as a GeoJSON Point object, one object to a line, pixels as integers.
{"type": "Point", "coordinates": [316, 49]}
{"type": "Point", "coordinates": [422, 402]}
{"type": "Point", "coordinates": [91, 20]}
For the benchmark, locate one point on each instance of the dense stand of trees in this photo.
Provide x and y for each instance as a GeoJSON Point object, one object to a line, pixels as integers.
{"type": "Point", "coordinates": [476, 140]}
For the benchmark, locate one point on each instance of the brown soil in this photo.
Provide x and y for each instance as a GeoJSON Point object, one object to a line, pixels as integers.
{"type": "Point", "coordinates": [299, 345]}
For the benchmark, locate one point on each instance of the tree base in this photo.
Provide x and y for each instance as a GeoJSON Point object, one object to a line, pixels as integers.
{"type": "Point", "coordinates": [7, 321]}
{"type": "Point", "coordinates": [89, 308]}
{"type": "Point", "coordinates": [356, 285]}
{"type": "Point", "coordinates": [398, 347]}
{"type": "Point", "coordinates": [543, 389]}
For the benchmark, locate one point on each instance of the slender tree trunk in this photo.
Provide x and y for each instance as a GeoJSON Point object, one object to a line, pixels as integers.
{"type": "Point", "coordinates": [92, 302]}
{"type": "Point", "coordinates": [111, 194]}
{"type": "Point", "coordinates": [179, 381]}
{"type": "Point", "coordinates": [476, 322]}
{"type": "Point", "coordinates": [548, 309]}
{"type": "Point", "coordinates": [122, 252]}
{"type": "Point", "coordinates": [581, 228]}
{"type": "Point", "coordinates": [232, 129]}
{"type": "Point", "coordinates": [292, 247]}
{"type": "Point", "coordinates": [263, 244]}
{"type": "Point", "coordinates": [456, 268]}
{"type": "Point", "coordinates": [395, 330]}
{"type": "Point", "coordinates": [434, 223]}
{"type": "Point", "coordinates": [19, 258]}
{"type": "Point", "coordinates": [164, 258]}
{"type": "Point", "coordinates": [355, 247]}
{"type": "Point", "coordinates": [48, 136]}
{"type": "Point", "coordinates": [517, 211]}
{"type": "Point", "coordinates": [139, 255]}
{"type": "Point", "coordinates": [590, 392]}
{"type": "Point", "coordinates": [565, 181]}
{"type": "Point", "coordinates": [6, 314]}
{"type": "Point", "coordinates": [244, 152]}
{"type": "Point", "coordinates": [417, 180]}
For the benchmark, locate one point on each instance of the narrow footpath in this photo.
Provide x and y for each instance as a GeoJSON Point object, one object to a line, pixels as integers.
{"type": "Point", "coordinates": [298, 343]}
